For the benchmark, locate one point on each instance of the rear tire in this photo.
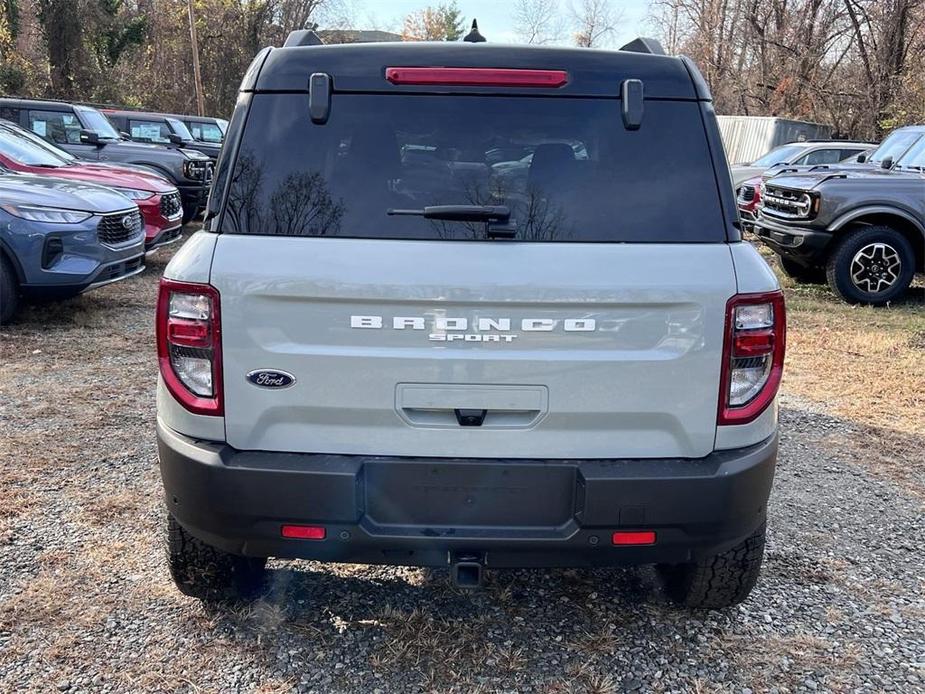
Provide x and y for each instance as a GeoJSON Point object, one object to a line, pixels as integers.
{"type": "Point", "coordinates": [210, 574]}
{"type": "Point", "coordinates": [800, 273]}
{"type": "Point", "coordinates": [719, 581]}
{"type": "Point", "coordinates": [9, 291]}
{"type": "Point", "coordinates": [871, 265]}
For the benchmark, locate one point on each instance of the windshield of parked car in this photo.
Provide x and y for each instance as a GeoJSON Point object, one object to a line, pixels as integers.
{"type": "Point", "coordinates": [222, 124]}
{"type": "Point", "coordinates": [97, 122]}
{"type": "Point", "coordinates": [180, 129]}
{"type": "Point", "coordinates": [779, 155]}
{"type": "Point", "coordinates": [44, 144]}
{"type": "Point", "coordinates": [22, 150]}
{"type": "Point", "coordinates": [915, 157]}
{"type": "Point", "coordinates": [894, 146]}
{"type": "Point", "coordinates": [566, 168]}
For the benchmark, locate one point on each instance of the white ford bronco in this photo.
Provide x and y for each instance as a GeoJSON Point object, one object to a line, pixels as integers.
{"type": "Point", "coordinates": [470, 306]}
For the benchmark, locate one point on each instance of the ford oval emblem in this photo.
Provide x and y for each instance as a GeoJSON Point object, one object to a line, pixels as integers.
{"type": "Point", "coordinates": [271, 378]}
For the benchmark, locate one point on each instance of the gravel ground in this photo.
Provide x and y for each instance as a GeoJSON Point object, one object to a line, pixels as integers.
{"type": "Point", "coordinates": [86, 604]}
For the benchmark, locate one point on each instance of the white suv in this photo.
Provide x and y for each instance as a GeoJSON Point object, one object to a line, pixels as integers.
{"type": "Point", "coordinates": [381, 351]}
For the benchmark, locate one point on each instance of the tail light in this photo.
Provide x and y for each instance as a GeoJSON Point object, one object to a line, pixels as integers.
{"type": "Point", "coordinates": [189, 345]}
{"type": "Point", "coordinates": [753, 356]}
{"type": "Point", "coordinates": [476, 76]}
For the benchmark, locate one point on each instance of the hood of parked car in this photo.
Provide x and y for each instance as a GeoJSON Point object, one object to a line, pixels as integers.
{"type": "Point", "coordinates": [48, 191]}
{"type": "Point", "coordinates": [809, 180]}
{"type": "Point", "coordinates": [112, 175]}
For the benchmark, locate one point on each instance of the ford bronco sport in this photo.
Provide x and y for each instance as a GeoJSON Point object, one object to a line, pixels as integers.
{"type": "Point", "coordinates": [381, 351]}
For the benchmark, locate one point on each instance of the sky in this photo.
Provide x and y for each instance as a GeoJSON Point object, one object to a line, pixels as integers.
{"type": "Point", "coordinates": [495, 16]}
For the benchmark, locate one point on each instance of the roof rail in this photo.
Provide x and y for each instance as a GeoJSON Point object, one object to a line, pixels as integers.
{"type": "Point", "coordinates": [644, 45]}
{"type": "Point", "coordinates": [303, 37]}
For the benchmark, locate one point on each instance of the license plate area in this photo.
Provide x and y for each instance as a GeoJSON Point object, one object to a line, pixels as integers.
{"type": "Point", "coordinates": [469, 494]}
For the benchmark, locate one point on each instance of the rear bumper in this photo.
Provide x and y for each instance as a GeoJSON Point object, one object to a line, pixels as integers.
{"type": "Point", "coordinates": [419, 511]}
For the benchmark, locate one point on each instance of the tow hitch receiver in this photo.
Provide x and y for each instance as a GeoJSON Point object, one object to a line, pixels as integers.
{"type": "Point", "coordinates": [467, 570]}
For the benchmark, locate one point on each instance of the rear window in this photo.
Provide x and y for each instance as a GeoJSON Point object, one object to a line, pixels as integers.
{"type": "Point", "coordinates": [565, 167]}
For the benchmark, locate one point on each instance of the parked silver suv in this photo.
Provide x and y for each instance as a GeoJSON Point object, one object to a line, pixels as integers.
{"type": "Point", "coordinates": [382, 351]}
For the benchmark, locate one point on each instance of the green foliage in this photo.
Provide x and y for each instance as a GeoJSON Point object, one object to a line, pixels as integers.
{"type": "Point", "coordinates": [453, 21]}
{"type": "Point", "coordinates": [10, 10]}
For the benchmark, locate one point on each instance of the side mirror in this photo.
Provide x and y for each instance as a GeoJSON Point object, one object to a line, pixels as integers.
{"type": "Point", "coordinates": [89, 137]}
{"type": "Point", "coordinates": [125, 135]}
{"type": "Point", "coordinates": [862, 158]}
{"type": "Point", "coordinates": [887, 163]}
{"type": "Point", "coordinates": [175, 139]}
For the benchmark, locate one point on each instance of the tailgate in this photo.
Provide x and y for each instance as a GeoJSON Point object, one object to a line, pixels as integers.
{"type": "Point", "coordinates": [472, 349]}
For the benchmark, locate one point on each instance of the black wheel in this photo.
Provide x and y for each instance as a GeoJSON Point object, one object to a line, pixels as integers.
{"type": "Point", "coordinates": [871, 265]}
{"type": "Point", "coordinates": [9, 291]}
{"type": "Point", "coordinates": [210, 574]}
{"type": "Point", "coordinates": [802, 273]}
{"type": "Point", "coordinates": [719, 581]}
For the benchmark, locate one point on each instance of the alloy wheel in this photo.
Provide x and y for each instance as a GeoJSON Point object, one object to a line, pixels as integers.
{"type": "Point", "coordinates": [876, 268]}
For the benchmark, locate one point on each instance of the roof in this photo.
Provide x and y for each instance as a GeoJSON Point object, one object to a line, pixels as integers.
{"type": "Point", "coordinates": [357, 36]}
{"type": "Point", "coordinates": [831, 143]}
{"type": "Point", "coordinates": [50, 104]}
{"type": "Point", "coordinates": [361, 68]}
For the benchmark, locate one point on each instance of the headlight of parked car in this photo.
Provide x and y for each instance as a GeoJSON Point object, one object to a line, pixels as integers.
{"type": "Point", "coordinates": [195, 168]}
{"type": "Point", "coordinates": [47, 214]}
{"type": "Point", "coordinates": [134, 193]}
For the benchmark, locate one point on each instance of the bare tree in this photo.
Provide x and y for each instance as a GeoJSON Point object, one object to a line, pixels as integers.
{"type": "Point", "coordinates": [594, 22]}
{"type": "Point", "coordinates": [537, 21]}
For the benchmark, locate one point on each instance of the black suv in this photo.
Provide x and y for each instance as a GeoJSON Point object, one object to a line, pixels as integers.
{"type": "Point", "coordinates": [862, 229]}
{"type": "Point", "coordinates": [160, 129]}
{"type": "Point", "coordinates": [84, 132]}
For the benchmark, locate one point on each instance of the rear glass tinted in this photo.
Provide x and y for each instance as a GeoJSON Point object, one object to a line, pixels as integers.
{"type": "Point", "coordinates": [566, 167]}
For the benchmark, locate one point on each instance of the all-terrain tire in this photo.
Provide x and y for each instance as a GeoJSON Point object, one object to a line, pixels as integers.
{"type": "Point", "coordinates": [719, 581]}
{"type": "Point", "coordinates": [210, 574]}
{"type": "Point", "coordinates": [840, 262]}
{"type": "Point", "coordinates": [9, 291]}
{"type": "Point", "coordinates": [800, 273]}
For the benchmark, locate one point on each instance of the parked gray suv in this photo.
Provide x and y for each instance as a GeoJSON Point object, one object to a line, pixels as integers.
{"type": "Point", "coordinates": [382, 351]}
{"type": "Point", "coordinates": [861, 229]}
{"type": "Point", "coordinates": [86, 133]}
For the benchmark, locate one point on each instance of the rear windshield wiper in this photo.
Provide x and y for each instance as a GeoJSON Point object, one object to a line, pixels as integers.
{"type": "Point", "coordinates": [497, 218]}
{"type": "Point", "coordinates": [459, 213]}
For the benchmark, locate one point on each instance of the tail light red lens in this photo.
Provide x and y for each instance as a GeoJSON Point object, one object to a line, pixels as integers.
{"type": "Point", "coordinates": [189, 345]}
{"type": "Point", "coordinates": [753, 356]}
{"type": "Point", "coordinates": [633, 537]}
{"type": "Point", "coordinates": [476, 76]}
{"type": "Point", "coordinates": [304, 532]}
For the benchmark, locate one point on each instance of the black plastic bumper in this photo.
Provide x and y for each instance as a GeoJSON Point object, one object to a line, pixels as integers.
{"type": "Point", "coordinates": [805, 245]}
{"type": "Point", "coordinates": [164, 238]}
{"type": "Point", "coordinates": [106, 274]}
{"type": "Point", "coordinates": [418, 511]}
{"type": "Point", "coordinates": [194, 195]}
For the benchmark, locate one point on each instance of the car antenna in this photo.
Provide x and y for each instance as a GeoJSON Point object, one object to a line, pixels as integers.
{"type": "Point", "coordinates": [474, 36]}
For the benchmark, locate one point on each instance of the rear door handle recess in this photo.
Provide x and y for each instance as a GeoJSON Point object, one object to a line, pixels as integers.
{"type": "Point", "coordinates": [455, 405]}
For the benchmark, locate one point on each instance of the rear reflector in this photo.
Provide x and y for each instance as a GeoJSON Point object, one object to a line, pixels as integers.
{"type": "Point", "coordinates": [476, 76]}
{"type": "Point", "coordinates": [304, 532]}
{"type": "Point", "coordinates": [634, 537]}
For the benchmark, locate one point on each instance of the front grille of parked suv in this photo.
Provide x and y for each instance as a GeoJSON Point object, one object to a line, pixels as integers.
{"type": "Point", "coordinates": [170, 205]}
{"type": "Point", "coordinates": [747, 193]}
{"type": "Point", "coordinates": [782, 202]}
{"type": "Point", "coordinates": [119, 228]}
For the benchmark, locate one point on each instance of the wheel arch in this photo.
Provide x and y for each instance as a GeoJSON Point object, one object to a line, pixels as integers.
{"type": "Point", "coordinates": [6, 253]}
{"type": "Point", "coordinates": [895, 218]}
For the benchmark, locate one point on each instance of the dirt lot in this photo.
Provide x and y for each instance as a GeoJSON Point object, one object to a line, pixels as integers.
{"type": "Point", "coordinates": [86, 604]}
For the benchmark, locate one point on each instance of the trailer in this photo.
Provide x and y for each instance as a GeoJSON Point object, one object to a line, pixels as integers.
{"type": "Point", "coordinates": [746, 138]}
